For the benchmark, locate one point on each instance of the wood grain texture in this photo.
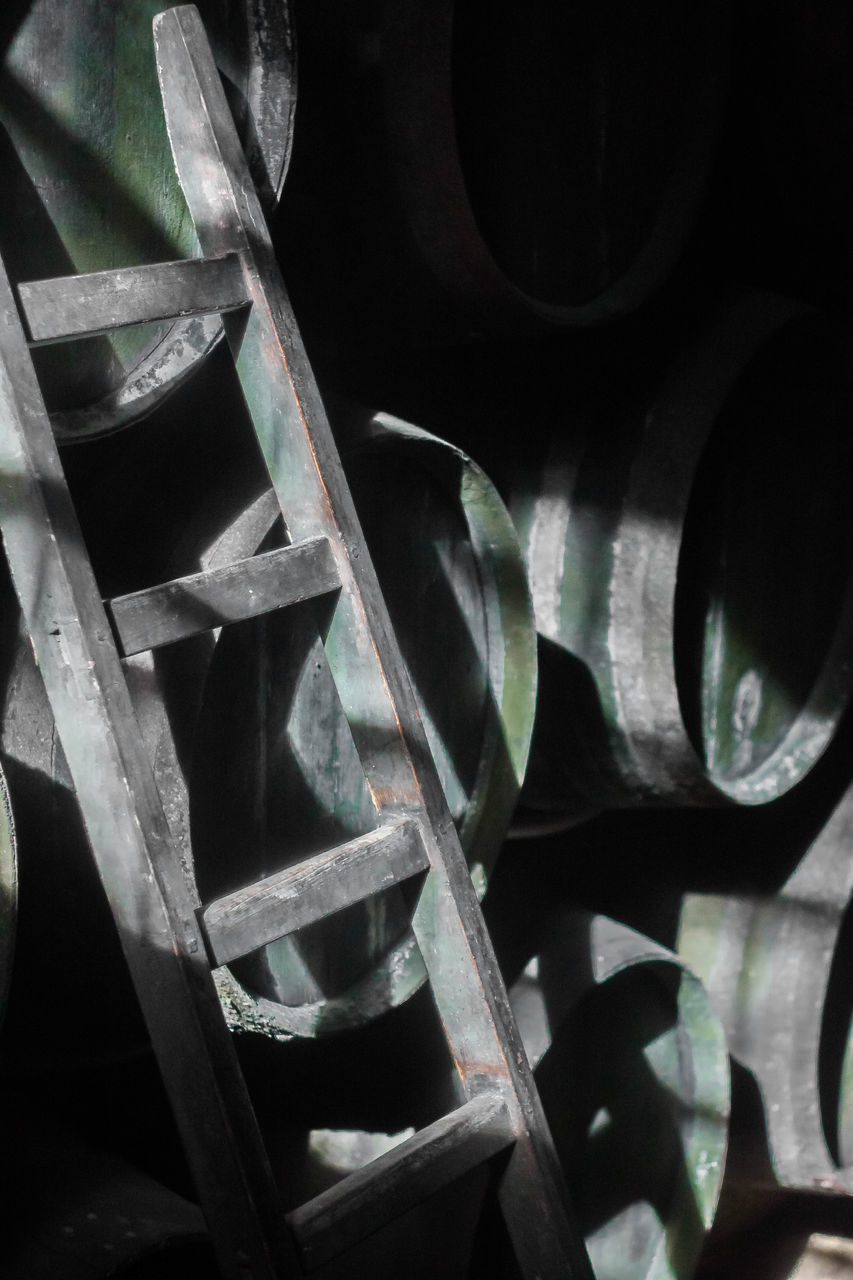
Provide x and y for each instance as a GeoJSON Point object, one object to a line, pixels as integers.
{"type": "Point", "coordinates": [99, 301]}
{"type": "Point", "coordinates": [364, 655]}
{"type": "Point", "coordinates": [123, 812]}
{"type": "Point", "coordinates": [125, 822]}
{"type": "Point", "coordinates": [299, 895]}
{"type": "Point", "coordinates": [400, 1179]}
{"type": "Point", "coordinates": [251, 587]}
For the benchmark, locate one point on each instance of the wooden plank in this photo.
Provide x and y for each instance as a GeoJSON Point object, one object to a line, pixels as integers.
{"type": "Point", "coordinates": [292, 428]}
{"type": "Point", "coordinates": [310, 890]}
{"type": "Point", "coordinates": [127, 828]}
{"type": "Point", "coordinates": [99, 301]}
{"type": "Point", "coordinates": [297, 443]}
{"type": "Point", "coordinates": [400, 1179]}
{"type": "Point", "coordinates": [246, 589]}
{"type": "Point", "coordinates": [93, 181]}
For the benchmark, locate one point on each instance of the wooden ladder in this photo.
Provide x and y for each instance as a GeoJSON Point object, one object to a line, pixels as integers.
{"type": "Point", "coordinates": [80, 641]}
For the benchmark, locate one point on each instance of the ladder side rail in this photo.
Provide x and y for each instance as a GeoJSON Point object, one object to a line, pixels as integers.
{"type": "Point", "coordinates": [125, 823]}
{"type": "Point", "coordinates": [304, 467]}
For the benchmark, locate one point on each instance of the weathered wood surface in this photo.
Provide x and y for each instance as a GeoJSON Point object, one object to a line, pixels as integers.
{"type": "Point", "coordinates": [131, 840]}
{"type": "Point", "coordinates": [384, 1189]}
{"type": "Point", "coordinates": [775, 965]}
{"type": "Point", "coordinates": [128, 832]}
{"type": "Point", "coordinates": [453, 577]}
{"type": "Point", "coordinates": [365, 659]}
{"type": "Point", "coordinates": [96, 303]}
{"type": "Point", "coordinates": [450, 569]}
{"type": "Point", "coordinates": [90, 183]}
{"type": "Point", "coordinates": [632, 1066]}
{"type": "Point", "coordinates": [310, 890]}
{"type": "Point", "coordinates": [670, 545]}
{"type": "Point", "coordinates": [201, 601]}
{"type": "Point", "coordinates": [54, 892]}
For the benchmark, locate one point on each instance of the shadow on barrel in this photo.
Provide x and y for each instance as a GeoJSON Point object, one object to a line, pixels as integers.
{"type": "Point", "coordinates": [632, 1069]}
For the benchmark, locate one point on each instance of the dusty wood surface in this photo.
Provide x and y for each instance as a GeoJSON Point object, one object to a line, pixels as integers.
{"type": "Point", "coordinates": [451, 573]}
{"type": "Point", "coordinates": [122, 809]}
{"type": "Point", "coordinates": [201, 601]}
{"type": "Point", "coordinates": [298, 896]}
{"type": "Point", "coordinates": [128, 832]}
{"type": "Point", "coordinates": [305, 470]}
{"type": "Point", "coordinates": [394, 1182]}
{"type": "Point", "coordinates": [73, 306]}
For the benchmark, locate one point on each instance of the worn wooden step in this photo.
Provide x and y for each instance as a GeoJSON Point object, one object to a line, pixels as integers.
{"type": "Point", "coordinates": [397, 1181]}
{"type": "Point", "coordinates": [250, 918]}
{"type": "Point", "coordinates": [83, 305]}
{"type": "Point", "coordinates": [246, 589]}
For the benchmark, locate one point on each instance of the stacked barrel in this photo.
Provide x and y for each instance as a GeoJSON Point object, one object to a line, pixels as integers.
{"type": "Point", "coordinates": [575, 283]}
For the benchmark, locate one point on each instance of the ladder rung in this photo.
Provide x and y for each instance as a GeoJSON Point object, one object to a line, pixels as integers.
{"type": "Point", "coordinates": [96, 302]}
{"type": "Point", "coordinates": [242, 921]}
{"type": "Point", "coordinates": [246, 589]}
{"type": "Point", "coordinates": [395, 1182]}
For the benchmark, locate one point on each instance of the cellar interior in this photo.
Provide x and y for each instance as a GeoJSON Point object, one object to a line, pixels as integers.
{"type": "Point", "coordinates": [472, 899]}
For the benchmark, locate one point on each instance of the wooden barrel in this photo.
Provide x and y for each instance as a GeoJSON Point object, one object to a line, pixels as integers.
{"type": "Point", "coordinates": [450, 562]}
{"type": "Point", "coordinates": [90, 182]}
{"type": "Point", "coordinates": [485, 169]}
{"type": "Point", "coordinates": [777, 966]}
{"type": "Point", "coordinates": [275, 776]}
{"type": "Point", "coordinates": [631, 1064]}
{"type": "Point", "coordinates": [690, 563]}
